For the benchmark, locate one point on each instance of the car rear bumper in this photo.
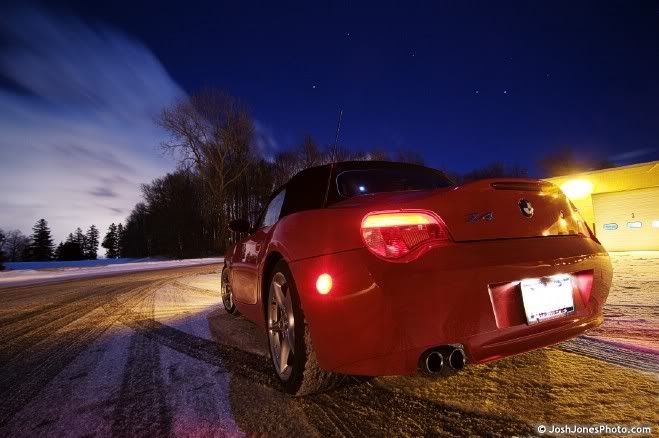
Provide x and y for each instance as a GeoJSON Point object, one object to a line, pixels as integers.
{"type": "Point", "coordinates": [381, 316]}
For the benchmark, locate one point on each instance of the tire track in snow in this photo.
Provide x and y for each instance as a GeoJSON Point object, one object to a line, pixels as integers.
{"type": "Point", "coordinates": [142, 408]}
{"type": "Point", "coordinates": [361, 409]}
{"type": "Point", "coordinates": [17, 337]}
{"type": "Point", "coordinates": [612, 352]}
{"type": "Point", "coordinates": [23, 377]}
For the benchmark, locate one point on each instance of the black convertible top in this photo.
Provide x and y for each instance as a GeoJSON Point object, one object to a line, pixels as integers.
{"type": "Point", "coordinates": [317, 187]}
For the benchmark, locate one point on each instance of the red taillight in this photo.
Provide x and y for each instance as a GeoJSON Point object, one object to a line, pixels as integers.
{"type": "Point", "coordinates": [394, 234]}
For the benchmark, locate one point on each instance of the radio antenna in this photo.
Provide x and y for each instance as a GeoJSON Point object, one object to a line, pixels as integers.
{"type": "Point", "coordinates": [336, 138]}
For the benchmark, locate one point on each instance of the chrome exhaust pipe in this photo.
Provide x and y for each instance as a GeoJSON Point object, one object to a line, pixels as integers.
{"type": "Point", "coordinates": [442, 360]}
{"type": "Point", "coordinates": [432, 363]}
{"type": "Point", "coordinates": [457, 359]}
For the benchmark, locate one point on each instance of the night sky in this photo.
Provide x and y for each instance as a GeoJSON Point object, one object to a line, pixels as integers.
{"type": "Point", "coordinates": [463, 83]}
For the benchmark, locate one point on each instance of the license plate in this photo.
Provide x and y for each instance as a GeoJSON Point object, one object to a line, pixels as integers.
{"type": "Point", "coordinates": [547, 298]}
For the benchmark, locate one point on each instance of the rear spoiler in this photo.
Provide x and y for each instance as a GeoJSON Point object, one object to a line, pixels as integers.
{"type": "Point", "coordinates": [527, 186]}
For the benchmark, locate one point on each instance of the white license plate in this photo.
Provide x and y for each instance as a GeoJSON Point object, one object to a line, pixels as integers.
{"type": "Point", "coordinates": [547, 298]}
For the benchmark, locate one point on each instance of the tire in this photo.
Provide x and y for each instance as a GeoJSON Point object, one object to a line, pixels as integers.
{"type": "Point", "coordinates": [299, 372]}
{"type": "Point", "coordinates": [227, 295]}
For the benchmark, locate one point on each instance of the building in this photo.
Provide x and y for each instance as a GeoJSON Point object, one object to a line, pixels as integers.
{"type": "Point", "coordinates": [620, 204]}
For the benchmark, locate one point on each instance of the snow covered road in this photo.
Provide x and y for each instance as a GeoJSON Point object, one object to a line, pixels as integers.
{"type": "Point", "coordinates": [73, 270]}
{"type": "Point", "coordinates": [630, 333]}
{"type": "Point", "coordinates": [153, 354]}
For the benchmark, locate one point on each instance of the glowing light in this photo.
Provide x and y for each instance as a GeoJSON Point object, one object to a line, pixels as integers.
{"type": "Point", "coordinates": [655, 223]}
{"type": "Point", "coordinates": [362, 188]}
{"type": "Point", "coordinates": [324, 284]}
{"type": "Point", "coordinates": [397, 219]}
{"type": "Point", "coordinates": [577, 188]}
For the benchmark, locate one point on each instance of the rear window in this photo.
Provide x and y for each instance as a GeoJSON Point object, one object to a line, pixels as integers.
{"type": "Point", "coordinates": [364, 181]}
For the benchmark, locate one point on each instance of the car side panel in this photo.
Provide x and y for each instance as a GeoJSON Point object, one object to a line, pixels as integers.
{"type": "Point", "coordinates": [244, 271]}
{"type": "Point", "coordinates": [317, 232]}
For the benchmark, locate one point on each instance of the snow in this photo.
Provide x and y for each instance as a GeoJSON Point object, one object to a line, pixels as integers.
{"type": "Point", "coordinates": [173, 358]}
{"type": "Point", "coordinates": [69, 264]}
{"type": "Point", "coordinates": [630, 314]}
{"type": "Point", "coordinates": [34, 276]}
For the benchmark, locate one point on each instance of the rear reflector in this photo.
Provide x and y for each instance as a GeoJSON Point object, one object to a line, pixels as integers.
{"type": "Point", "coordinates": [324, 284]}
{"type": "Point", "coordinates": [394, 234]}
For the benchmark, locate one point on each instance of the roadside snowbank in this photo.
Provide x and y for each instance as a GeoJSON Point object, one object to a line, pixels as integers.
{"type": "Point", "coordinates": [15, 266]}
{"type": "Point", "coordinates": [33, 276]}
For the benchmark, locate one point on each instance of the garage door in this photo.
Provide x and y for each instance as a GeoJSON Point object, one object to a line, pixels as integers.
{"type": "Point", "coordinates": [628, 220]}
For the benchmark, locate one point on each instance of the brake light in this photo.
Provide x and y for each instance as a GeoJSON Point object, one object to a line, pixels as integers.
{"type": "Point", "coordinates": [394, 234]}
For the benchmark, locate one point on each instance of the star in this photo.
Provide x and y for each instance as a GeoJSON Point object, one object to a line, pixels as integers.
{"type": "Point", "coordinates": [505, 91]}
{"type": "Point", "coordinates": [313, 86]}
{"type": "Point", "coordinates": [478, 91]}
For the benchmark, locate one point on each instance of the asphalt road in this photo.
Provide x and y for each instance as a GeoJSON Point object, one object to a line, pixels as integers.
{"type": "Point", "coordinates": [153, 354]}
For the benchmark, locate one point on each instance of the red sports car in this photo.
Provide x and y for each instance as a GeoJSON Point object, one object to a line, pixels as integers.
{"type": "Point", "coordinates": [378, 268]}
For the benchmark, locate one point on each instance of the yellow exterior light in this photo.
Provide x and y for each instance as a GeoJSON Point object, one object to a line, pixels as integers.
{"type": "Point", "coordinates": [577, 188]}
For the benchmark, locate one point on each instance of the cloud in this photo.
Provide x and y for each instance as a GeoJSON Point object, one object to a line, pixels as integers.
{"type": "Point", "coordinates": [631, 155]}
{"type": "Point", "coordinates": [103, 192]}
{"type": "Point", "coordinates": [266, 144]}
{"type": "Point", "coordinates": [77, 132]}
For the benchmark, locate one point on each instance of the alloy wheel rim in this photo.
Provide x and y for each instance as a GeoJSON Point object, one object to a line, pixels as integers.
{"type": "Point", "coordinates": [281, 326]}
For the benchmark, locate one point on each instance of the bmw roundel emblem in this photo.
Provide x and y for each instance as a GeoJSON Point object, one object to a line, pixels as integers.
{"type": "Point", "coordinates": [526, 208]}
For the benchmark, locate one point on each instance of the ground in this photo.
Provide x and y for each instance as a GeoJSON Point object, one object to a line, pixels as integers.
{"type": "Point", "coordinates": [153, 353]}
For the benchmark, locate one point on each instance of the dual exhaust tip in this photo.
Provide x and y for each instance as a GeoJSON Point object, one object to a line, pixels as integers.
{"type": "Point", "coordinates": [442, 360]}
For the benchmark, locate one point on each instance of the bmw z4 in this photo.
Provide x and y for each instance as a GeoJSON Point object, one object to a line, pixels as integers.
{"type": "Point", "coordinates": [379, 268]}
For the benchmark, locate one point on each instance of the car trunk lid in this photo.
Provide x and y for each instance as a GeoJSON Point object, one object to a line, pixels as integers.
{"type": "Point", "coordinates": [503, 209]}
{"type": "Point", "coordinates": [487, 209]}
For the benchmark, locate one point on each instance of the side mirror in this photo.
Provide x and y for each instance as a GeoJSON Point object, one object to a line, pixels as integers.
{"type": "Point", "coordinates": [239, 226]}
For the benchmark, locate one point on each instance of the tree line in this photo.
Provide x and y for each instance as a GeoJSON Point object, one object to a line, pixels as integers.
{"type": "Point", "coordinates": [221, 176]}
{"type": "Point", "coordinates": [39, 246]}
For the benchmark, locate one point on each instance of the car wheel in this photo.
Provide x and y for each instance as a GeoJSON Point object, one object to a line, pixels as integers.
{"type": "Point", "coordinates": [227, 295]}
{"type": "Point", "coordinates": [291, 349]}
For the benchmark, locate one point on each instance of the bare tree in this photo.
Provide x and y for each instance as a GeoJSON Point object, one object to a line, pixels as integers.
{"type": "Point", "coordinates": [3, 239]}
{"type": "Point", "coordinates": [213, 133]}
{"type": "Point", "coordinates": [409, 155]}
{"type": "Point", "coordinates": [561, 161]}
{"type": "Point", "coordinates": [15, 246]}
{"type": "Point", "coordinates": [495, 170]}
{"type": "Point", "coordinates": [309, 153]}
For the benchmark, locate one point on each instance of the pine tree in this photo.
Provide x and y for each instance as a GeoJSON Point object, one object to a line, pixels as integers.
{"type": "Point", "coordinates": [41, 248]}
{"type": "Point", "coordinates": [70, 249]}
{"type": "Point", "coordinates": [110, 242]}
{"type": "Point", "coordinates": [3, 238]}
{"type": "Point", "coordinates": [81, 240]}
{"type": "Point", "coordinates": [120, 240]}
{"type": "Point", "coordinates": [91, 243]}
{"type": "Point", "coordinates": [59, 251]}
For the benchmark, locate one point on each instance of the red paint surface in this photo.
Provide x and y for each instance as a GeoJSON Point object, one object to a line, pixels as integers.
{"type": "Point", "coordinates": [381, 315]}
